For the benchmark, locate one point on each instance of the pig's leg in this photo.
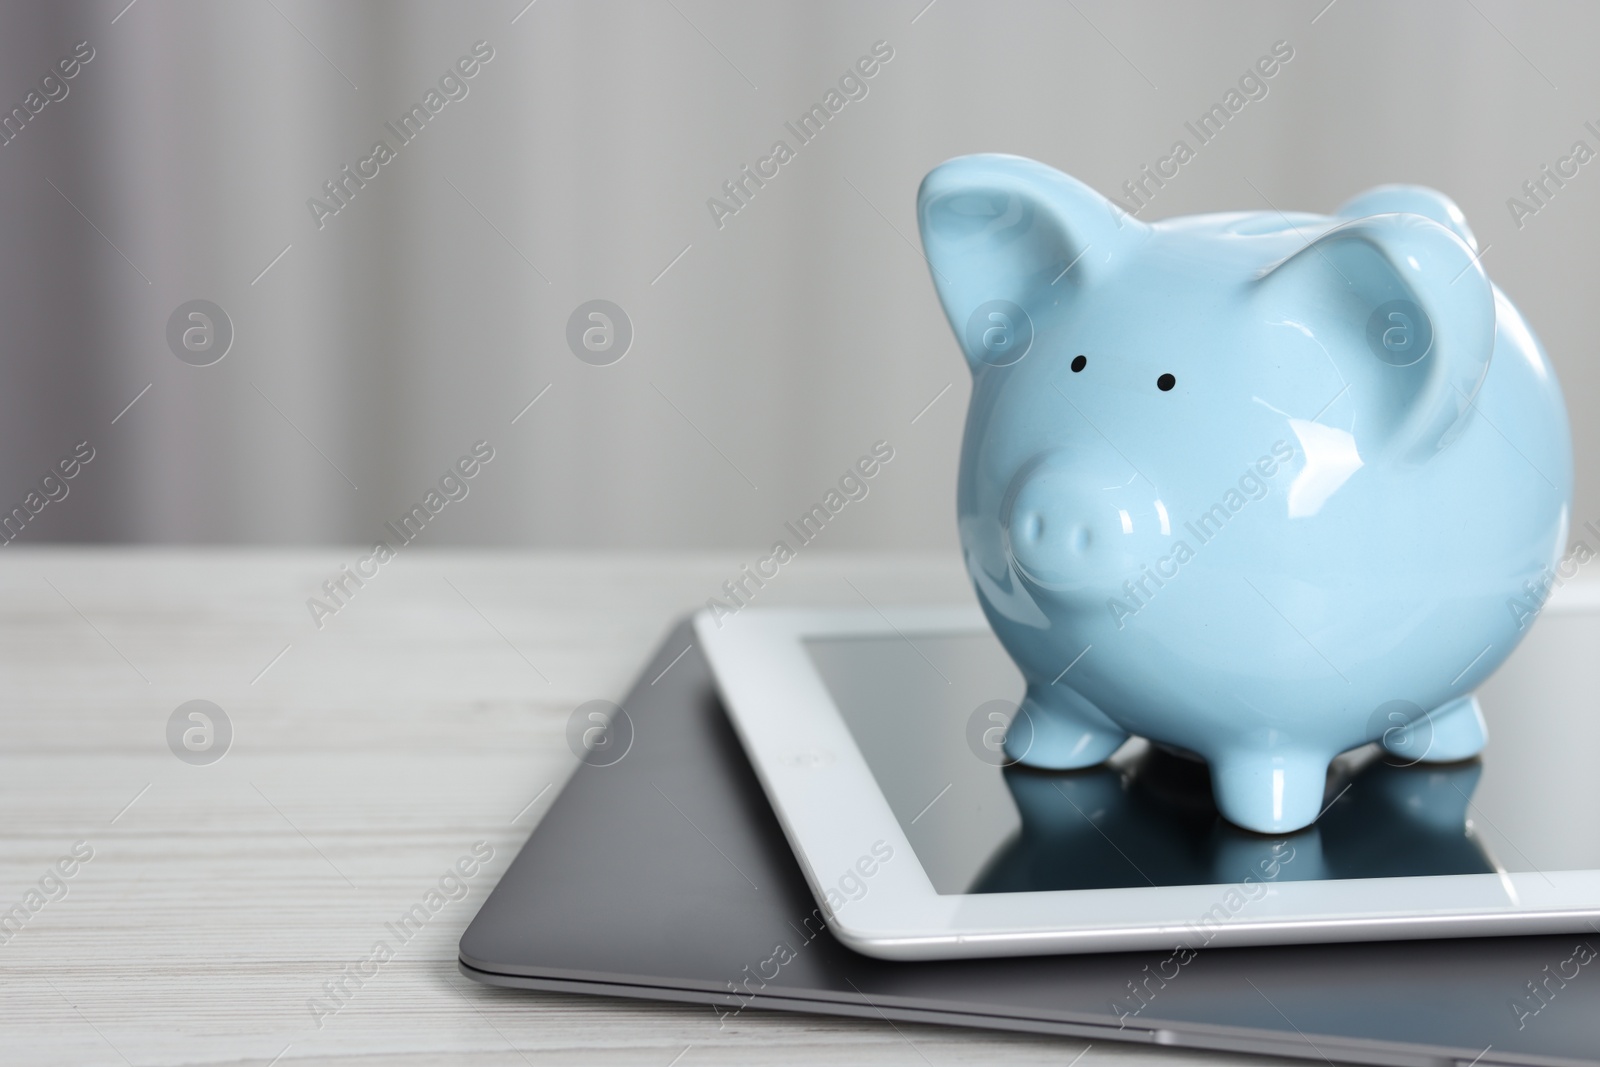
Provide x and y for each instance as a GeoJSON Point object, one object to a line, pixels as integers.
{"type": "Point", "coordinates": [1269, 792]}
{"type": "Point", "coordinates": [1454, 731]}
{"type": "Point", "coordinates": [1058, 729]}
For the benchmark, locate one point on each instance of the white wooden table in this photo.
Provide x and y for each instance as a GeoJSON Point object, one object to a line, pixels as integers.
{"type": "Point", "coordinates": [366, 758]}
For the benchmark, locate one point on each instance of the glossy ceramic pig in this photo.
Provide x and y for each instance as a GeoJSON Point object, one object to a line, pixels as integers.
{"type": "Point", "coordinates": [1260, 487]}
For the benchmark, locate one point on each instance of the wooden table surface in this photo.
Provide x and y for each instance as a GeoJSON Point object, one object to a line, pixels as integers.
{"type": "Point", "coordinates": [425, 716]}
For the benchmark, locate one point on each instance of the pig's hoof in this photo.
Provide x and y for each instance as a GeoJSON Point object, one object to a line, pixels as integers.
{"type": "Point", "coordinates": [1057, 729]}
{"type": "Point", "coordinates": [1454, 731]}
{"type": "Point", "coordinates": [1270, 793]}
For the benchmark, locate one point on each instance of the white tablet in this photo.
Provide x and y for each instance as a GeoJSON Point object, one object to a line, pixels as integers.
{"type": "Point", "coordinates": [876, 738]}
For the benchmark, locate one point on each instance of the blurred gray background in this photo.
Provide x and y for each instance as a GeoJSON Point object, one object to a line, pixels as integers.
{"type": "Point", "coordinates": [768, 353]}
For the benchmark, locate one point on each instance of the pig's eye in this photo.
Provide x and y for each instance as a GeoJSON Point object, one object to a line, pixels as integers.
{"type": "Point", "coordinates": [1078, 363]}
{"type": "Point", "coordinates": [1166, 382]}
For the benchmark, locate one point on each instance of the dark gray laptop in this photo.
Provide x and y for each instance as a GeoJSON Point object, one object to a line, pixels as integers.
{"type": "Point", "coordinates": [666, 876]}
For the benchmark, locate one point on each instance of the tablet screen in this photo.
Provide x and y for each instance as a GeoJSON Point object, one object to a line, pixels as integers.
{"type": "Point", "coordinates": [923, 709]}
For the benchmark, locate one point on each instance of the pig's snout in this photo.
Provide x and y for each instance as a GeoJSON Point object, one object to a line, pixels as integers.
{"type": "Point", "coordinates": [1082, 524]}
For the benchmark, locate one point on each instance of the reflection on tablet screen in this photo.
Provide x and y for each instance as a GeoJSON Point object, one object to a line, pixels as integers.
{"type": "Point", "coordinates": [914, 703]}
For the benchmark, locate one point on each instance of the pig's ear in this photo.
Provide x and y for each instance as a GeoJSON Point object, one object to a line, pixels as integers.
{"type": "Point", "coordinates": [1413, 200]}
{"type": "Point", "coordinates": [1401, 305]}
{"type": "Point", "coordinates": [998, 227]}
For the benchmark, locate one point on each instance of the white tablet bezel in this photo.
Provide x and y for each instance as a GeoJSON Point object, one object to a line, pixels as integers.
{"type": "Point", "coordinates": [834, 814]}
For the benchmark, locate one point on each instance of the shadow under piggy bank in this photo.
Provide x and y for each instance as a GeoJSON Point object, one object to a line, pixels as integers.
{"type": "Point", "coordinates": [1151, 820]}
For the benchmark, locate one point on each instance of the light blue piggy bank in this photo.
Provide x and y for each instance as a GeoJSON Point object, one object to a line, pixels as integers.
{"type": "Point", "coordinates": [1259, 487]}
